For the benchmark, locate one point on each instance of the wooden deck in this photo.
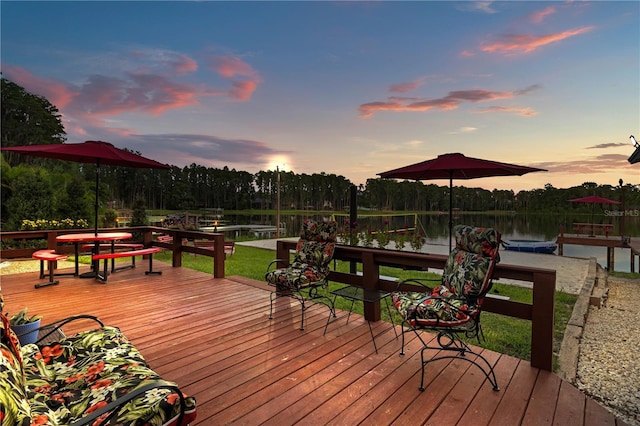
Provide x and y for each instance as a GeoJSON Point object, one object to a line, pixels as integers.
{"type": "Point", "coordinates": [213, 337]}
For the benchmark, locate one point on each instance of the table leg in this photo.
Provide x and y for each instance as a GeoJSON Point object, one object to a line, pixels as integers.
{"type": "Point", "coordinates": [95, 264]}
{"type": "Point", "coordinates": [76, 251]}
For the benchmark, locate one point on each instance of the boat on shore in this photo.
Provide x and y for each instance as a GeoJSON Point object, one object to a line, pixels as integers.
{"type": "Point", "coordinates": [530, 246]}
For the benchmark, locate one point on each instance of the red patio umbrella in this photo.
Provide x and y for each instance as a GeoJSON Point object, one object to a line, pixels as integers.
{"type": "Point", "coordinates": [94, 152]}
{"type": "Point", "coordinates": [594, 199]}
{"type": "Point", "coordinates": [456, 166]}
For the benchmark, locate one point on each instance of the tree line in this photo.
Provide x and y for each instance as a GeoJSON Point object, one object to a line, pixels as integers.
{"type": "Point", "coordinates": [35, 188]}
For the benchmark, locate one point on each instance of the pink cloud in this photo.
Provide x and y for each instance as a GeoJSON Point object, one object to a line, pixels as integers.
{"type": "Point", "coordinates": [539, 16]}
{"type": "Point", "coordinates": [242, 90]}
{"type": "Point", "coordinates": [183, 64]}
{"type": "Point", "coordinates": [152, 88]}
{"type": "Point", "coordinates": [450, 102]}
{"type": "Point", "coordinates": [231, 67]}
{"type": "Point", "coordinates": [407, 87]}
{"type": "Point", "coordinates": [153, 94]}
{"type": "Point", "coordinates": [367, 110]}
{"type": "Point", "coordinates": [57, 93]}
{"type": "Point", "coordinates": [513, 44]}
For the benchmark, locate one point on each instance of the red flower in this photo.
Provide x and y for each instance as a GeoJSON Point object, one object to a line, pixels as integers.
{"type": "Point", "coordinates": [39, 420]}
{"type": "Point", "coordinates": [172, 398]}
{"type": "Point", "coordinates": [95, 369]}
{"type": "Point", "coordinates": [58, 398]}
{"type": "Point", "coordinates": [96, 406]}
{"type": "Point", "coordinates": [43, 389]}
{"type": "Point", "coordinates": [49, 352]}
{"type": "Point", "coordinates": [73, 378]}
{"type": "Point", "coordinates": [101, 384]}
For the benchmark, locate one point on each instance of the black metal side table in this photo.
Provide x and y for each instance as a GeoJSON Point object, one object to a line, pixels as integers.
{"type": "Point", "coordinates": [359, 294]}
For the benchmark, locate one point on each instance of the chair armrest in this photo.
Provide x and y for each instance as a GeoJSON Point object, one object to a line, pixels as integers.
{"type": "Point", "coordinates": [113, 406]}
{"type": "Point", "coordinates": [273, 262]}
{"type": "Point", "coordinates": [49, 329]}
{"type": "Point", "coordinates": [418, 282]}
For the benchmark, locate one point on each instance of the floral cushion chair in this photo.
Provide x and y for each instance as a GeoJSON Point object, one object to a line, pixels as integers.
{"type": "Point", "coordinates": [94, 378]}
{"type": "Point", "coordinates": [309, 270]}
{"type": "Point", "coordinates": [453, 307]}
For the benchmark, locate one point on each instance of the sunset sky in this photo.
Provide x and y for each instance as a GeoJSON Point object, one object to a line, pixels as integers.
{"type": "Point", "coordinates": [351, 88]}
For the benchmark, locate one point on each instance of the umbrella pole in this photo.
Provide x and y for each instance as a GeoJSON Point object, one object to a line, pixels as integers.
{"type": "Point", "coordinates": [450, 206]}
{"type": "Point", "coordinates": [97, 191]}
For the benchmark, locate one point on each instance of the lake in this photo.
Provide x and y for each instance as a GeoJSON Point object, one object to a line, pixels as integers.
{"type": "Point", "coordinates": [511, 226]}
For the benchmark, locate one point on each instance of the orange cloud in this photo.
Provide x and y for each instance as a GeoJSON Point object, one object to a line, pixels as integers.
{"type": "Point", "coordinates": [513, 44]}
{"type": "Point", "coordinates": [524, 112]}
{"type": "Point", "coordinates": [588, 166]}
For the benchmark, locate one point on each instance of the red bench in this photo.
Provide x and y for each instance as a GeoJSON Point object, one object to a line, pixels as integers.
{"type": "Point", "coordinates": [132, 253]}
{"type": "Point", "coordinates": [117, 246]}
{"type": "Point", "coordinates": [51, 257]}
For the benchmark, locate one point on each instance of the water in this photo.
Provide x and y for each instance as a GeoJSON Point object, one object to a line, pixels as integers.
{"type": "Point", "coordinates": [436, 228]}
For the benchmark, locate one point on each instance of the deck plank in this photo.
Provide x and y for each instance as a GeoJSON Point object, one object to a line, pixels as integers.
{"type": "Point", "coordinates": [214, 338]}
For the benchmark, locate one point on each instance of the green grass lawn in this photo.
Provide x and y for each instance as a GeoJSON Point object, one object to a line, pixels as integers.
{"type": "Point", "coordinates": [503, 334]}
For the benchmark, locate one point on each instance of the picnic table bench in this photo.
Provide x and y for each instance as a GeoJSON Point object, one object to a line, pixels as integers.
{"type": "Point", "coordinates": [132, 253]}
{"type": "Point", "coordinates": [592, 228]}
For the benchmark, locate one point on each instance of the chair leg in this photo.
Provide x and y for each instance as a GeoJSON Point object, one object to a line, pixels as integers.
{"type": "Point", "coordinates": [453, 343]}
{"type": "Point", "coordinates": [312, 296]}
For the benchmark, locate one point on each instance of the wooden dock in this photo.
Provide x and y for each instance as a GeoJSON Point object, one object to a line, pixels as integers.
{"type": "Point", "coordinates": [214, 338]}
{"type": "Point", "coordinates": [608, 241]}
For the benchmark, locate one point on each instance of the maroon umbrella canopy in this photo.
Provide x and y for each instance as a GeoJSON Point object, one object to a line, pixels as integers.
{"type": "Point", "coordinates": [456, 166]}
{"type": "Point", "coordinates": [594, 199]}
{"type": "Point", "coordinates": [95, 152]}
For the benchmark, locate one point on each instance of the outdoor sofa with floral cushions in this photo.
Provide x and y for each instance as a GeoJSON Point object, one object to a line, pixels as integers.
{"type": "Point", "coordinates": [92, 378]}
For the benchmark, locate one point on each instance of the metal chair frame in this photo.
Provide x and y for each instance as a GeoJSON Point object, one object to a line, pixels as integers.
{"type": "Point", "coordinates": [300, 287]}
{"type": "Point", "coordinates": [453, 343]}
{"type": "Point", "coordinates": [312, 295]}
{"type": "Point", "coordinates": [449, 337]}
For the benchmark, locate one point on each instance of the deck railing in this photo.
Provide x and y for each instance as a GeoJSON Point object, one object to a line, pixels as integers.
{"type": "Point", "coordinates": [540, 312]}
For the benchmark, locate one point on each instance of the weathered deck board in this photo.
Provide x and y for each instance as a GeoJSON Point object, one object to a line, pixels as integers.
{"type": "Point", "coordinates": [214, 338]}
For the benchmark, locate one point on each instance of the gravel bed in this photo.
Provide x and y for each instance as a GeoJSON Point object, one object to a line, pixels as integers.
{"type": "Point", "coordinates": [609, 359]}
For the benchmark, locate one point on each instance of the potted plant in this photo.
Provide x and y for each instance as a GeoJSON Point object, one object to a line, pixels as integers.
{"type": "Point", "coordinates": [25, 326]}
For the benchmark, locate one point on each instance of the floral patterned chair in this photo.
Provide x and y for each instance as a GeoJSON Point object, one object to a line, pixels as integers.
{"type": "Point", "coordinates": [94, 378]}
{"type": "Point", "coordinates": [452, 309]}
{"type": "Point", "coordinates": [308, 272]}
